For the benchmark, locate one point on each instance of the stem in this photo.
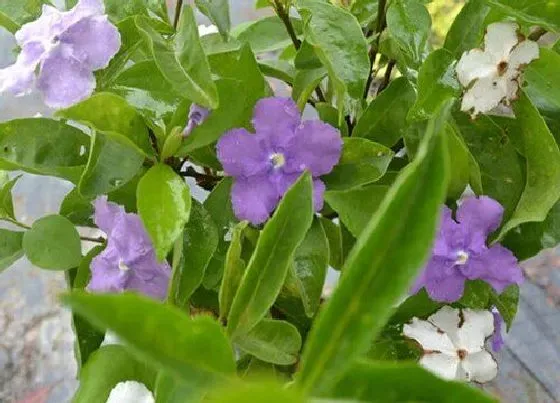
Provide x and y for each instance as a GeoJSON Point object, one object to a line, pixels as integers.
{"type": "Point", "coordinates": [381, 24]}
{"type": "Point", "coordinates": [178, 8]}
{"type": "Point", "coordinates": [16, 222]}
{"type": "Point", "coordinates": [87, 238]}
{"type": "Point", "coordinates": [153, 141]}
{"type": "Point", "coordinates": [387, 75]}
{"type": "Point", "coordinates": [205, 181]}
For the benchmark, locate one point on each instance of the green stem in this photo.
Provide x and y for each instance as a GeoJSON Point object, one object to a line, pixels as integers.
{"type": "Point", "coordinates": [87, 238]}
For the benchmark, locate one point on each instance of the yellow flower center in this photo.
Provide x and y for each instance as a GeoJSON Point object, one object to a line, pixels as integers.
{"type": "Point", "coordinates": [278, 160]}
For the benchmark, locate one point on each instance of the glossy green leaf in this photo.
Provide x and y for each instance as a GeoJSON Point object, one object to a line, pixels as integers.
{"type": "Point", "coordinates": [110, 113]}
{"type": "Point", "coordinates": [355, 207]}
{"type": "Point", "coordinates": [13, 14]}
{"type": "Point", "coordinates": [339, 43]}
{"type": "Point", "coordinates": [334, 237]}
{"type": "Point", "coordinates": [545, 14]}
{"type": "Point", "coordinates": [476, 295]}
{"type": "Point", "coordinates": [402, 382]}
{"type": "Point", "coordinates": [182, 62]}
{"type": "Point", "coordinates": [107, 367]}
{"type": "Point", "coordinates": [409, 24]}
{"type": "Point", "coordinates": [164, 204]}
{"type": "Point", "coordinates": [507, 303]}
{"type": "Point", "coordinates": [218, 13]}
{"type": "Point", "coordinates": [161, 334]}
{"type": "Point", "coordinates": [53, 243]}
{"type": "Point", "coordinates": [6, 200]}
{"type": "Point", "coordinates": [234, 268]}
{"type": "Point", "coordinates": [271, 259]}
{"type": "Point", "coordinates": [362, 162]}
{"type": "Point", "coordinates": [267, 34]}
{"type": "Point", "coordinates": [543, 166]}
{"type": "Point", "coordinates": [200, 240]}
{"type": "Point", "coordinates": [43, 147]}
{"type": "Point", "coordinates": [384, 120]}
{"type": "Point", "coordinates": [398, 236]}
{"type": "Point", "coordinates": [467, 29]}
{"type": "Point", "coordinates": [273, 341]}
{"type": "Point", "coordinates": [436, 85]}
{"type": "Point", "coordinates": [11, 248]}
{"type": "Point", "coordinates": [305, 83]}
{"type": "Point", "coordinates": [113, 161]}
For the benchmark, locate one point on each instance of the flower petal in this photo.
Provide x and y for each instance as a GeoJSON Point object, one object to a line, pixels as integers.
{"type": "Point", "coordinates": [484, 95]}
{"type": "Point", "coordinates": [317, 147]}
{"type": "Point", "coordinates": [447, 319]}
{"type": "Point", "coordinates": [475, 64]}
{"type": "Point", "coordinates": [130, 392]}
{"type": "Point", "coordinates": [64, 81]}
{"type": "Point", "coordinates": [276, 118]}
{"type": "Point", "coordinates": [482, 214]}
{"type": "Point", "coordinates": [150, 278]}
{"type": "Point", "coordinates": [500, 38]}
{"type": "Point", "coordinates": [443, 365]}
{"type": "Point", "coordinates": [523, 54]}
{"type": "Point", "coordinates": [428, 336]}
{"type": "Point", "coordinates": [94, 41]}
{"type": "Point", "coordinates": [498, 267]}
{"type": "Point", "coordinates": [476, 327]}
{"type": "Point", "coordinates": [318, 194]}
{"type": "Point", "coordinates": [480, 367]}
{"type": "Point", "coordinates": [254, 198]}
{"type": "Point", "coordinates": [43, 29]}
{"type": "Point", "coordinates": [106, 214]}
{"type": "Point", "coordinates": [105, 273]}
{"type": "Point", "coordinates": [242, 154]}
{"type": "Point", "coordinates": [197, 116]}
{"type": "Point", "coordinates": [497, 339]}
{"type": "Point", "coordinates": [446, 288]}
{"type": "Point", "coordinates": [18, 78]}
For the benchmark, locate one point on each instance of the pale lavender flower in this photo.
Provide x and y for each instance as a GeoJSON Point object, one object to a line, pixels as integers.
{"type": "Point", "coordinates": [197, 116]}
{"type": "Point", "coordinates": [460, 252]}
{"type": "Point", "coordinates": [66, 48]}
{"type": "Point", "coordinates": [267, 163]}
{"type": "Point", "coordinates": [497, 340]}
{"type": "Point", "coordinates": [129, 261]}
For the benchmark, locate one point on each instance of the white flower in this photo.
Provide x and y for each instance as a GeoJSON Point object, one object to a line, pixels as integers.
{"type": "Point", "coordinates": [207, 30]}
{"type": "Point", "coordinates": [492, 75]}
{"type": "Point", "coordinates": [130, 392]}
{"type": "Point", "coordinates": [453, 343]}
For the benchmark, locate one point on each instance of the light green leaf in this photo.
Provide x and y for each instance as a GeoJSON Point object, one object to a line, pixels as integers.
{"type": "Point", "coordinates": [399, 235]}
{"type": "Point", "coordinates": [164, 204]}
{"type": "Point", "coordinates": [263, 391]}
{"type": "Point", "coordinates": [365, 11]}
{"type": "Point", "coordinates": [305, 83]}
{"type": "Point", "coordinates": [334, 236]}
{"type": "Point", "coordinates": [107, 367]}
{"type": "Point", "coordinates": [329, 114]}
{"type": "Point", "coordinates": [161, 334]}
{"type": "Point", "coordinates": [267, 34]}
{"type": "Point", "coordinates": [171, 389]}
{"type": "Point", "coordinates": [274, 341]}
{"type": "Point", "coordinates": [182, 62]}
{"type": "Point", "coordinates": [467, 29]}
{"type": "Point", "coordinates": [6, 202]}
{"type": "Point", "coordinates": [384, 120]}
{"type": "Point", "coordinates": [271, 259]}
{"type": "Point", "coordinates": [43, 147]}
{"type": "Point", "coordinates": [218, 12]}
{"type": "Point", "coordinates": [13, 14]}
{"type": "Point", "coordinates": [545, 13]}
{"type": "Point", "coordinates": [11, 248]}
{"type": "Point", "coordinates": [53, 243]}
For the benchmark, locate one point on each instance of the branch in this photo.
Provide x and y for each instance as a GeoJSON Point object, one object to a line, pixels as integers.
{"type": "Point", "coordinates": [205, 181]}
{"type": "Point", "coordinates": [387, 76]}
{"type": "Point", "coordinates": [381, 24]}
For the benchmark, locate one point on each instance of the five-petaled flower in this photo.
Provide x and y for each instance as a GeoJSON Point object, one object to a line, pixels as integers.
{"type": "Point", "coordinates": [453, 342]}
{"type": "Point", "coordinates": [492, 75]}
{"type": "Point", "coordinates": [129, 261]}
{"type": "Point", "coordinates": [460, 252]}
{"type": "Point", "coordinates": [267, 163]}
{"type": "Point", "coordinates": [67, 47]}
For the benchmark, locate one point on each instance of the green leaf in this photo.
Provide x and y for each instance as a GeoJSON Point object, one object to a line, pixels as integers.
{"type": "Point", "coordinates": [263, 391]}
{"type": "Point", "coordinates": [399, 235]}
{"type": "Point", "coordinates": [273, 341]}
{"type": "Point", "coordinates": [391, 345]}
{"type": "Point", "coordinates": [119, 10]}
{"type": "Point", "coordinates": [384, 120]}
{"type": "Point", "coordinates": [543, 166]}
{"type": "Point", "coordinates": [161, 334]}
{"type": "Point", "coordinates": [545, 14]}
{"type": "Point", "coordinates": [53, 243]}
{"type": "Point", "coordinates": [200, 240]}
{"type": "Point", "coordinates": [6, 202]}
{"type": "Point", "coordinates": [329, 114]}
{"type": "Point", "coordinates": [409, 24]}
{"type": "Point", "coordinates": [218, 12]}
{"type": "Point", "coordinates": [280, 69]}
{"type": "Point", "coordinates": [108, 366]}
{"type": "Point", "coordinates": [419, 305]}
{"type": "Point", "coordinates": [182, 62]}
{"type": "Point", "coordinates": [305, 83]}
{"type": "Point", "coordinates": [271, 259]}
{"type": "Point", "coordinates": [461, 169]}
{"type": "Point", "coordinates": [13, 14]}
{"type": "Point", "coordinates": [171, 389]}
{"type": "Point", "coordinates": [365, 11]}
{"type": "Point", "coordinates": [309, 268]}
{"type": "Point", "coordinates": [402, 382]}
{"type": "Point", "coordinates": [476, 295]}
{"type": "Point", "coordinates": [234, 268]}
{"type": "Point", "coordinates": [362, 162]}
{"type": "Point", "coordinates": [267, 34]}
{"type": "Point", "coordinates": [113, 161]}
{"type": "Point", "coordinates": [339, 43]}
{"type": "Point", "coordinates": [11, 248]}
{"type": "Point", "coordinates": [164, 204]}
{"type": "Point", "coordinates": [355, 207]}
{"type": "Point", "coordinates": [467, 29]}
{"type": "Point", "coordinates": [110, 113]}
{"type": "Point", "coordinates": [436, 85]}
{"type": "Point", "coordinates": [334, 237]}
{"type": "Point", "coordinates": [507, 303]}
{"type": "Point", "coordinates": [43, 147]}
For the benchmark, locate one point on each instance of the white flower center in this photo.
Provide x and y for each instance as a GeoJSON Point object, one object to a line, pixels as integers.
{"type": "Point", "coordinates": [461, 258]}
{"type": "Point", "coordinates": [278, 160]}
{"type": "Point", "coordinates": [123, 266]}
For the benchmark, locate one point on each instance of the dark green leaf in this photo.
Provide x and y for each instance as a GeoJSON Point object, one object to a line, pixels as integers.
{"type": "Point", "coordinates": [266, 34]}
{"type": "Point", "coordinates": [218, 12]}
{"type": "Point", "coordinates": [462, 167]}
{"type": "Point", "coordinates": [476, 295]}
{"type": "Point", "coordinates": [164, 204]}
{"type": "Point", "coordinates": [399, 235]}
{"type": "Point", "coordinates": [53, 243]}
{"type": "Point", "coordinates": [507, 303]}
{"type": "Point", "coordinates": [419, 305]}
{"type": "Point", "coordinates": [271, 260]}
{"type": "Point", "coordinates": [11, 248]}
{"type": "Point", "coordinates": [334, 236]}
{"type": "Point", "coordinates": [160, 334]}
{"type": "Point", "coordinates": [467, 29]}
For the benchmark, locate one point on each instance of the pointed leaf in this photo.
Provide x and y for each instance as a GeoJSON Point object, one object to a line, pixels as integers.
{"type": "Point", "coordinates": [11, 248]}
{"type": "Point", "coordinates": [218, 12]}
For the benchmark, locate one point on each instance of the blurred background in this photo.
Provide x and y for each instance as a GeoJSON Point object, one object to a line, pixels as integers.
{"type": "Point", "coordinates": [36, 344]}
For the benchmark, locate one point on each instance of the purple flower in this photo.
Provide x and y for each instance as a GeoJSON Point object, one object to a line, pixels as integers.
{"type": "Point", "coordinates": [267, 163]}
{"type": "Point", "coordinates": [197, 116]}
{"type": "Point", "coordinates": [497, 340]}
{"type": "Point", "coordinates": [67, 47]}
{"type": "Point", "coordinates": [129, 261]}
{"type": "Point", "coordinates": [460, 252]}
